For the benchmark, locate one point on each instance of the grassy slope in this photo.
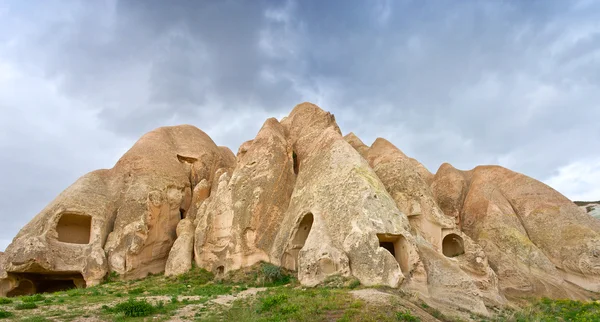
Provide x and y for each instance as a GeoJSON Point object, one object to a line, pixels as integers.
{"type": "Point", "coordinates": [192, 297]}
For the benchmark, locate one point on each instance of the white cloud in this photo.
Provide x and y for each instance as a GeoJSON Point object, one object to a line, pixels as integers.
{"type": "Point", "coordinates": [579, 180]}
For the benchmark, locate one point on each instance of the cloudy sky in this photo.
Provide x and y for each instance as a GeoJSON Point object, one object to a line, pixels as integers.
{"type": "Point", "coordinates": [515, 83]}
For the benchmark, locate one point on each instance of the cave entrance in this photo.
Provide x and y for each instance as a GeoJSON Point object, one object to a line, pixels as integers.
{"type": "Point", "coordinates": [453, 245]}
{"type": "Point", "coordinates": [74, 228]}
{"type": "Point", "coordinates": [30, 283]}
{"type": "Point", "coordinates": [25, 287]}
{"type": "Point", "coordinates": [397, 246]}
{"type": "Point", "coordinates": [300, 238]}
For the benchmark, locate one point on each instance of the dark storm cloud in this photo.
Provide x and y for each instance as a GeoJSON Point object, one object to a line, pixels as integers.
{"type": "Point", "coordinates": [508, 82]}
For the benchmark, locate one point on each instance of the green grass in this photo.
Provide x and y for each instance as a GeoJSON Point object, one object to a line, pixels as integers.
{"type": "Point", "coordinates": [5, 314]}
{"type": "Point", "coordinates": [26, 306]}
{"type": "Point", "coordinates": [406, 316]}
{"type": "Point", "coordinates": [136, 291]}
{"type": "Point", "coordinates": [291, 303]}
{"type": "Point", "coordinates": [35, 319]}
{"type": "Point", "coordinates": [558, 310]}
{"type": "Point", "coordinates": [284, 300]}
{"type": "Point", "coordinates": [33, 298]}
{"type": "Point", "coordinates": [133, 308]}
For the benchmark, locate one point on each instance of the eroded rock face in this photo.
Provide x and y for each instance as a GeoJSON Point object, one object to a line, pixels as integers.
{"type": "Point", "coordinates": [237, 224]}
{"type": "Point", "coordinates": [2, 270]}
{"type": "Point", "coordinates": [121, 220]}
{"type": "Point", "coordinates": [537, 241]}
{"type": "Point", "coordinates": [338, 209]}
{"type": "Point", "coordinates": [302, 196]}
{"type": "Point", "coordinates": [454, 264]}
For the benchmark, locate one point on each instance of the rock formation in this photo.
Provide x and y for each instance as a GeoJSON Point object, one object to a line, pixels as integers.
{"type": "Point", "coordinates": [302, 196]}
{"type": "Point", "coordinates": [592, 208]}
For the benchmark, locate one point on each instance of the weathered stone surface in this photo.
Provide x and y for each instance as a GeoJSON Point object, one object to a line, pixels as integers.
{"type": "Point", "coordinates": [538, 242]}
{"type": "Point", "coordinates": [2, 261]}
{"type": "Point", "coordinates": [122, 219]}
{"type": "Point", "coordinates": [238, 223]}
{"type": "Point", "coordinates": [302, 196]}
{"type": "Point", "coordinates": [464, 262]}
{"type": "Point", "coordinates": [180, 255]}
{"type": "Point", "coordinates": [338, 209]}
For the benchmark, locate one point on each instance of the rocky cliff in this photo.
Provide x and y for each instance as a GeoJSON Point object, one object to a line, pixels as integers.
{"type": "Point", "coordinates": [302, 196]}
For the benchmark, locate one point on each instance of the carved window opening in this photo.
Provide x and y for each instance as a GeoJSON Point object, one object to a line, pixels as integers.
{"type": "Point", "coordinates": [74, 228]}
{"type": "Point", "coordinates": [453, 245]}
{"type": "Point", "coordinates": [398, 247]}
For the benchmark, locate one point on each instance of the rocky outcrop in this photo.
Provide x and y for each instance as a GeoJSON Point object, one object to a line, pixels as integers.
{"type": "Point", "coordinates": [302, 196]}
{"type": "Point", "coordinates": [180, 255]}
{"type": "Point", "coordinates": [123, 219]}
{"type": "Point", "coordinates": [537, 241]}
{"type": "Point", "coordinates": [456, 267]}
{"type": "Point", "coordinates": [2, 270]}
{"type": "Point", "coordinates": [237, 224]}
{"type": "Point", "coordinates": [339, 210]}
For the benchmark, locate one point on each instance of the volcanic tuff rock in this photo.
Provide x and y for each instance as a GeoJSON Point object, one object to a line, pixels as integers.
{"type": "Point", "coordinates": [302, 196]}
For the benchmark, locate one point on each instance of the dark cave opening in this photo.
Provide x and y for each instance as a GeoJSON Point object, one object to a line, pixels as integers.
{"type": "Point", "coordinates": [34, 283]}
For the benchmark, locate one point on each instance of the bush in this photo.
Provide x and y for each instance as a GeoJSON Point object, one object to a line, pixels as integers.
{"type": "Point", "coordinates": [5, 314]}
{"type": "Point", "coordinates": [26, 306]}
{"type": "Point", "coordinates": [354, 284]}
{"type": "Point", "coordinates": [133, 308]}
{"type": "Point", "coordinates": [4, 300]}
{"type": "Point", "coordinates": [33, 298]}
{"type": "Point", "coordinates": [111, 277]}
{"type": "Point", "coordinates": [274, 274]}
{"type": "Point", "coordinates": [406, 316]}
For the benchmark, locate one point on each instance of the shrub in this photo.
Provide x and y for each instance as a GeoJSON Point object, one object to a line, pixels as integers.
{"type": "Point", "coordinates": [406, 316]}
{"type": "Point", "coordinates": [271, 272]}
{"type": "Point", "coordinates": [354, 284]}
{"type": "Point", "coordinates": [111, 277]}
{"type": "Point", "coordinates": [33, 298]}
{"type": "Point", "coordinates": [4, 300]}
{"type": "Point", "coordinates": [274, 274]}
{"type": "Point", "coordinates": [26, 306]}
{"type": "Point", "coordinates": [5, 314]}
{"type": "Point", "coordinates": [132, 308]}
